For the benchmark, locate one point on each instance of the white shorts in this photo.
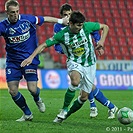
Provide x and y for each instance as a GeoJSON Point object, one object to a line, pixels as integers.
{"type": "Point", "coordinates": [87, 75]}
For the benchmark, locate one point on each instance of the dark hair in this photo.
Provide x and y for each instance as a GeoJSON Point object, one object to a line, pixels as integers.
{"type": "Point", "coordinates": [65, 7]}
{"type": "Point", "coordinates": [77, 17]}
{"type": "Point", "coordinates": [11, 3]}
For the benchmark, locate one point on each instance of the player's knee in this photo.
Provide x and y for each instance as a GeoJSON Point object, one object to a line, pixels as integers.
{"type": "Point", "coordinates": [12, 92]}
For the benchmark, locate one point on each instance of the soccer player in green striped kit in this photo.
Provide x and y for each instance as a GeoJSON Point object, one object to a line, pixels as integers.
{"type": "Point", "coordinates": [81, 59]}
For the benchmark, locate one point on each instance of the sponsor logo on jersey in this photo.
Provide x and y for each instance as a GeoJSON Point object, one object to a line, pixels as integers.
{"type": "Point", "coordinates": [29, 71]}
{"type": "Point", "coordinates": [78, 51]}
{"type": "Point", "coordinates": [20, 38]}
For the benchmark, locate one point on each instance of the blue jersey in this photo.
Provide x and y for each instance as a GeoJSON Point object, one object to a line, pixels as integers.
{"type": "Point", "coordinates": [59, 27]}
{"type": "Point", "coordinates": [20, 37]}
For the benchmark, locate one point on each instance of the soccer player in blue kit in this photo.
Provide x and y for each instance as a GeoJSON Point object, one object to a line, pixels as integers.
{"type": "Point", "coordinates": [66, 10]}
{"type": "Point", "coordinates": [19, 32]}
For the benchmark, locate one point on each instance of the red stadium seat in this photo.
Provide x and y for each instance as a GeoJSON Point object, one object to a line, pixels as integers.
{"type": "Point", "coordinates": [79, 4]}
{"type": "Point", "coordinates": [108, 50]}
{"type": "Point", "coordinates": [116, 50]}
{"type": "Point", "coordinates": [88, 4]}
{"type": "Point", "coordinates": [72, 3]}
{"type": "Point", "coordinates": [99, 13]}
{"type": "Point", "coordinates": [130, 13]}
{"type": "Point", "coordinates": [36, 3]}
{"type": "Point", "coordinates": [123, 13]}
{"type": "Point", "coordinates": [56, 12]}
{"type": "Point", "coordinates": [109, 57]}
{"type": "Point", "coordinates": [118, 57]}
{"type": "Point", "coordinates": [105, 4]}
{"type": "Point", "coordinates": [120, 32]}
{"type": "Point", "coordinates": [38, 10]}
{"type": "Point", "coordinates": [115, 13]}
{"type": "Point", "coordinates": [54, 3]}
{"type": "Point", "coordinates": [109, 22]}
{"type": "Point", "coordinates": [117, 23]}
{"type": "Point", "coordinates": [121, 4]}
{"type": "Point", "coordinates": [127, 57]}
{"type": "Point", "coordinates": [122, 41]}
{"type": "Point", "coordinates": [45, 3]}
{"type": "Point", "coordinates": [128, 32]}
{"type": "Point", "coordinates": [29, 10]}
{"type": "Point", "coordinates": [129, 4]}
{"type": "Point", "coordinates": [28, 3]}
{"type": "Point", "coordinates": [47, 11]}
{"type": "Point", "coordinates": [113, 4]}
{"type": "Point", "coordinates": [125, 23]}
{"type": "Point", "coordinates": [130, 41]}
{"type": "Point", "coordinates": [124, 50]}
{"type": "Point", "coordinates": [107, 13]}
{"type": "Point", "coordinates": [112, 32]}
{"type": "Point", "coordinates": [96, 4]}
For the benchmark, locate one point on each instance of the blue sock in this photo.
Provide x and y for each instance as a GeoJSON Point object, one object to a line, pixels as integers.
{"type": "Point", "coordinates": [36, 96]}
{"type": "Point", "coordinates": [21, 103]}
{"type": "Point", "coordinates": [102, 99]}
{"type": "Point", "coordinates": [91, 99]}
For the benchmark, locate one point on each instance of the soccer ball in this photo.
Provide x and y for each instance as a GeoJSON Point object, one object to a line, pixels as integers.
{"type": "Point", "coordinates": [125, 115]}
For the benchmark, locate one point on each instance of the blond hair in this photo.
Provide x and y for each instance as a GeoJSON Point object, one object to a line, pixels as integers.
{"type": "Point", "coordinates": [11, 3]}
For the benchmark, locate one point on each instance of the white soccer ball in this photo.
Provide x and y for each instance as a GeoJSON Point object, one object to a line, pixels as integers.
{"type": "Point", "coordinates": [125, 115]}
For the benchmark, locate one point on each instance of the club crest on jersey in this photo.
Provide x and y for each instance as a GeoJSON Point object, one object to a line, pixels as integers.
{"type": "Point", "coordinates": [11, 31]}
{"type": "Point", "coordinates": [20, 38]}
{"type": "Point", "coordinates": [78, 51]}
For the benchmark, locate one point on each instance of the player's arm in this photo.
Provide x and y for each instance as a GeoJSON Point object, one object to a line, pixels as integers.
{"type": "Point", "coordinates": [105, 29]}
{"type": "Point", "coordinates": [31, 57]}
{"type": "Point", "coordinates": [56, 20]}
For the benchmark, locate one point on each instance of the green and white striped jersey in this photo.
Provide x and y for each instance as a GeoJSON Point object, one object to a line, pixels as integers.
{"type": "Point", "coordinates": [77, 47]}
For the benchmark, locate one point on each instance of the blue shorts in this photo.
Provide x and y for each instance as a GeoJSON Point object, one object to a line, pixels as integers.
{"type": "Point", "coordinates": [14, 72]}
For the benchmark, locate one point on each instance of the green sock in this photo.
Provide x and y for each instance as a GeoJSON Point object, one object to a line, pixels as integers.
{"type": "Point", "coordinates": [76, 106]}
{"type": "Point", "coordinates": [68, 98]}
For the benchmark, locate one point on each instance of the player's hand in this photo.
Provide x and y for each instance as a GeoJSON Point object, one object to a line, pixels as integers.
{"type": "Point", "coordinates": [26, 62]}
{"type": "Point", "coordinates": [65, 20]}
{"type": "Point", "coordinates": [100, 48]}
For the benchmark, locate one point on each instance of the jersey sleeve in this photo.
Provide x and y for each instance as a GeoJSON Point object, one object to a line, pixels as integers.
{"type": "Point", "coordinates": [92, 26]}
{"type": "Point", "coordinates": [96, 36]}
{"type": "Point", "coordinates": [38, 20]}
{"type": "Point", "coordinates": [56, 39]}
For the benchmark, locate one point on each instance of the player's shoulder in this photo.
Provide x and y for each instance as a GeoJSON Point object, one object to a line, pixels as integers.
{"type": "Point", "coordinates": [26, 16]}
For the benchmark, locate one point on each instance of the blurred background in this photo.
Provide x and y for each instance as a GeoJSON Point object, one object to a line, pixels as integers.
{"type": "Point", "coordinates": [114, 68]}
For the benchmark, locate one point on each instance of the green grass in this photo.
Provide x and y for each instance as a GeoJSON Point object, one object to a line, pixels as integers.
{"type": "Point", "coordinates": [79, 122]}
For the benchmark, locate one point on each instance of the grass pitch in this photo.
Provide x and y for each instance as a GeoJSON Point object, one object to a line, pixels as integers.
{"type": "Point", "coordinates": [78, 122]}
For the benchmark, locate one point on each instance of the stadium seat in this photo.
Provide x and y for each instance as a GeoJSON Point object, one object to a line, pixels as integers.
{"type": "Point", "coordinates": [107, 13]}
{"type": "Point", "coordinates": [98, 13]}
{"type": "Point", "coordinates": [38, 10]}
{"type": "Point", "coordinates": [113, 4]}
{"type": "Point", "coordinates": [28, 3]}
{"type": "Point", "coordinates": [122, 41]}
{"type": "Point", "coordinates": [116, 50]}
{"type": "Point", "coordinates": [125, 23]}
{"type": "Point", "coordinates": [71, 2]}
{"type": "Point", "coordinates": [79, 4]}
{"type": "Point", "coordinates": [128, 32]}
{"type": "Point", "coordinates": [115, 13]}
{"type": "Point", "coordinates": [129, 4]}
{"type": "Point", "coordinates": [118, 57]}
{"type": "Point", "coordinates": [96, 4]}
{"type": "Point", "coordinates": [130, 12]}
{"type": "Point", "coordinates": [55, 12]}
{"type": "Point", "coordinates": [117, 23]}
{"type": "Point", "coordinates": [124, 50]}
{"type": "Point", "coordinates": [130, 41]}
{"type": "Point", "coordinates": [88, 4]}
{"type": "Point", "coordinates": [123, 13]}
{"type": "Point", "coordinates": [119, 32]}
{"type": "Point", "coordinates": [109, 57]}
{"type": "Point", "coordinates": [121, 4]}
{"type": "Point", "coordinates": [109, 22]}
{"type": "Point", "coordinates": [47, 11]}
{"type": "Point", "coordinates": [36, 3]}
{"type": "Point", "coordinates": [54, 3]}
{"type": "Point", "coordinates": [45, 3]}
{"type": "Point", "coordinates": [29, 10]}
{"type": "Point", "coordinates": [105, 4]}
